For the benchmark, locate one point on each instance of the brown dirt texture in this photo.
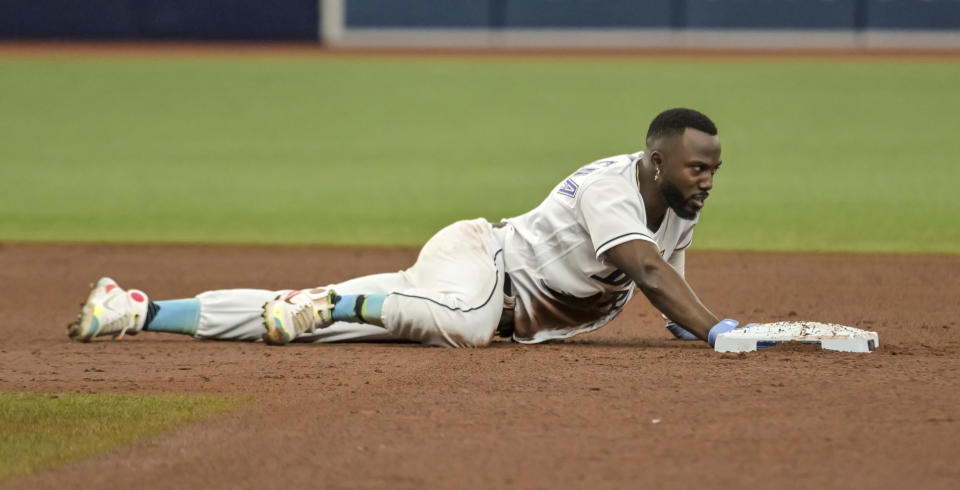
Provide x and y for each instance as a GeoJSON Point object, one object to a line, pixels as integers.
{"type": "Point", "coordinates": [624, 407]}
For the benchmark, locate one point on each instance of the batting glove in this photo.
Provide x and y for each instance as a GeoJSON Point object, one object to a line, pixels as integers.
{"type": "Point", "coordinates": [724, 326]}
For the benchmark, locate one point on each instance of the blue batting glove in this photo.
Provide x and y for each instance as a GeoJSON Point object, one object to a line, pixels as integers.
{"type": "Point", "coordinates": [680, 332]}
{"type": "Point", "coordinates": [724, 326]}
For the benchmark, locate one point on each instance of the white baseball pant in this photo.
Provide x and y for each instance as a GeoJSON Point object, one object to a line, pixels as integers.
{"type": "Point", "coordinates": [452, 296]}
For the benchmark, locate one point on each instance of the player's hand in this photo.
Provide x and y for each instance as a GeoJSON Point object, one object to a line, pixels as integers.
{"type": "Point", "coordinates": [724, 326]}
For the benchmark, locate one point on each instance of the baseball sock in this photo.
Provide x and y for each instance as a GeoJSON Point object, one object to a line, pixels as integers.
{"type": "Point", "coordinates": [174, 316]}
{"type": "Point", "coordinates": [359, 308]}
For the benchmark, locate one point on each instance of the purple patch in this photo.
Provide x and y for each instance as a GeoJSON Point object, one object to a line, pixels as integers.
{"type": "Point", "coordinates": [569, 188]}
{"type": "Point", "coordinates": [584, 171]}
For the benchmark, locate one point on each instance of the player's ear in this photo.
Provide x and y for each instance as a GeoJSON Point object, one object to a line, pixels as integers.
{"type": "Point", "coordinates": [656, 158]}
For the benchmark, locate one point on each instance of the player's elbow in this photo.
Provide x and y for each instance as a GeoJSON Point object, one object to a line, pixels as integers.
{"type": "Point", "coordinates": [642, 261]}
{"type": "Point", "coordinates": [650, 280]}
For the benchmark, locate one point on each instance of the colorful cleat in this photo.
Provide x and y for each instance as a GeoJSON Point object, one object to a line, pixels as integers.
{"type": "Point", "coordinates": [110, 310]}
{"type": "Point", "coordinates": [297, 312]}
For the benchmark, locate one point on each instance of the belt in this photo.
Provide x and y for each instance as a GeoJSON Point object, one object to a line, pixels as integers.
{"type": "Point", "coordinates": [505, 328]}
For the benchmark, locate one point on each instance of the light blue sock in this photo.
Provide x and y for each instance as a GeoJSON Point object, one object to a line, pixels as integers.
{"type": "Point", "coordinates": [174, 316]}
{"type": "Point", "coordinates": [372, 310]}
{"type": "Point", "coordinates": [359, 308]}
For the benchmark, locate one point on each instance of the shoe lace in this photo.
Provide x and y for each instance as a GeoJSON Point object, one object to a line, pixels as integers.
{"type": "Point", "coordinates": [303, 318]}
{"type": "Point", "coordinates": [121, 323]}
{"type": "Point", "coordinates": [113, 326]}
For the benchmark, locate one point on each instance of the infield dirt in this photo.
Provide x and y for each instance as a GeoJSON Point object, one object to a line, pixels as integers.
{"type": "Point", "coordinates": [624, 407]}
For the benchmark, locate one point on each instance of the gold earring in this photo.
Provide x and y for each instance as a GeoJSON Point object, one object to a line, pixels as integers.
{"type": "Point", "coordinates": [657, 176]}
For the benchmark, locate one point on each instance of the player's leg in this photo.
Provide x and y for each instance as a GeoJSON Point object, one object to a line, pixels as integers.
{"type": "Point", "coordinates": [231, 314]}
{"type": "Point", "coordinates": [454, 297]}
{"type": "Point", "coordinates": [457, 298]}
{"type": "Point", "coordinates": [111, 310]}
{"type": "Point", "coordinates": [370, 287]}
{"type": "Point", "coordinates": [451, 296]}
{"type": "Point", "coordinates": [237, 314]}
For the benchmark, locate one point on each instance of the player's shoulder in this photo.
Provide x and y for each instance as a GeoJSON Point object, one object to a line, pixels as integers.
{"type": "Point", "coordinates": [614, 173]}
{"type": "Point", "coordinates": [612, 164]}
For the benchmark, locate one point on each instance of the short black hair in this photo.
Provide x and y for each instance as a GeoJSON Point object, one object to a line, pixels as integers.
{"type": "Point", "coordinates": [673, 121]}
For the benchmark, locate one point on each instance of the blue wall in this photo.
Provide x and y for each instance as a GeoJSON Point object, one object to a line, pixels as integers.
{"type": "Point", "coordinates": [420, 13]}
{"type": "Point", "coordinates": [298, 19]}
{"type": "Point", "coordinates": [508, 13]}
{"type": "Point", "coordinates": [588, 13]}
{"type": "Point", "coordinates": [913, 14]}
{"type": "Point", "coordinates": [159, 19]}
{"type": "Point", "coordinates": [791, 14]}
{"type": "Point", "coordinates": [703, 14]}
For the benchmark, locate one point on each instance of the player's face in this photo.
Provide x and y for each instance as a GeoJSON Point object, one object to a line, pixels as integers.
{"type": "Point", "coordinates": [689, 164]}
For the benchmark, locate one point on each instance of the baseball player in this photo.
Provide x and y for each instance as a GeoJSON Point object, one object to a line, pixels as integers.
{"type": "Point", "coordinates": [564, 268]}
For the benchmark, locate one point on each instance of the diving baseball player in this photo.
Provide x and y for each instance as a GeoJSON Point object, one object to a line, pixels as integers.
{"type": "Point", "coordinates": [566, 267]}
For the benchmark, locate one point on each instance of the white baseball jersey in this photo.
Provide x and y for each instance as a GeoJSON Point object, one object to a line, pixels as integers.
{"type": "Point", "coordinates": [554, 254]}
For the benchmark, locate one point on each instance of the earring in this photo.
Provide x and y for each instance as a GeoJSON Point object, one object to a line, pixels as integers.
{"type": "Point", "coordinates": [657, 176]}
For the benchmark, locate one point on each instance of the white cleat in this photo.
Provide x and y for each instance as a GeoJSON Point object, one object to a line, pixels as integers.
{"type": "Point", "coordinates": [110, 310]}
{"type": "Point", "coordinates": [296, 312]}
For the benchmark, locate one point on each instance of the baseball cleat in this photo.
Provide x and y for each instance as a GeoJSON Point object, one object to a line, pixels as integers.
{"type": "Point", "coordinates": [297, 312]}
{"type": "Point", "coordinates": [110, 310]}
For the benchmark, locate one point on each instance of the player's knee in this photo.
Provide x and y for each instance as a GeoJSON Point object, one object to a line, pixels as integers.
{"type": "Point", "coordinates": [478, 339]}
{"type": "Point", "coordinates": [468, 332]}
{"type": "Point", "coordinates": [441, 320]}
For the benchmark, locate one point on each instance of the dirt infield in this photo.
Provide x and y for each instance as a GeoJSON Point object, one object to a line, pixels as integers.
{"type": "Point", "coordinates": [624, 407]}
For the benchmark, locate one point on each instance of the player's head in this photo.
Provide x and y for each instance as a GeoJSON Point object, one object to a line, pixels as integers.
{"type": "Point", "coordinates": [684, 149]}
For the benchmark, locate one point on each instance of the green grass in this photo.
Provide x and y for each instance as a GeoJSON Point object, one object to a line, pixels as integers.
{"type": "Point", "coordinates": [42, 430]}
{"type": "Point", "coordinates": [824, 155]}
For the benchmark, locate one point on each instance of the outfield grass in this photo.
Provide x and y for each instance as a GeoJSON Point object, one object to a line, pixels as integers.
{"type": "Point", "coordinates": [42, 430]}
{"type": "Point", "coordinates": [823, 155]}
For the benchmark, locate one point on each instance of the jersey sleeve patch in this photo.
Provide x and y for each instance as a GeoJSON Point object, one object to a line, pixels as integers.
{"type": "Point", "coordinates": [568, 188]}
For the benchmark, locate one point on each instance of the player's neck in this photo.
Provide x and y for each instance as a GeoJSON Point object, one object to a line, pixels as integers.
{"type": "Point", "coordinates": [653, 202]}
{"type": "Point", "coordinates": [655, 218]}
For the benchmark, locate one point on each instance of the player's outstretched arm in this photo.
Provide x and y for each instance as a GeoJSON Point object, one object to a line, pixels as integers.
{"type": "Point", "coordinates": [663, 285]}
